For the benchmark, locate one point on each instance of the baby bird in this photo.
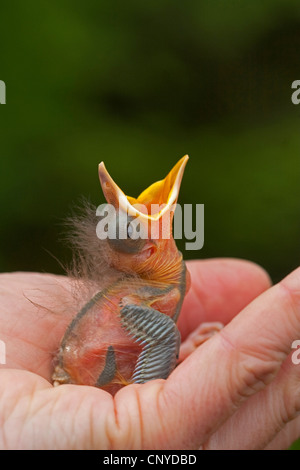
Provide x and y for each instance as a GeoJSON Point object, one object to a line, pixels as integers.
{"type": "Point", "coordinates": [126, 332]}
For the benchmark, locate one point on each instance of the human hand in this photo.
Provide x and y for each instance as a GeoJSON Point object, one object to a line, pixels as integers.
{"type": "Point", "coordinates": [238, 390]}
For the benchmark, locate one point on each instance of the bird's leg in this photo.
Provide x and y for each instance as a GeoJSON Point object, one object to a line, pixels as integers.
{"type": "Point", "coordinates": [160, 338]}
{"type": "Point", "coordinates": [201, 334]}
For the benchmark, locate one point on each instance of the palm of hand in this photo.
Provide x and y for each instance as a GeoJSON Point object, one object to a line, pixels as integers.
{"type": "Point", "coordinates": [207, 401]}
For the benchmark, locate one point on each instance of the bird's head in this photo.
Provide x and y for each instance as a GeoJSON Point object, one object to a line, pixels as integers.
{"type": "Point", "coordinates": [138, 230]}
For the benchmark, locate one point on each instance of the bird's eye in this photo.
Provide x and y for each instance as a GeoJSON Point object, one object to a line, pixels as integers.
{"type": "Point", "coordinates": [129, 230]}
{"type": "Point", "coordinates": [126, 234]}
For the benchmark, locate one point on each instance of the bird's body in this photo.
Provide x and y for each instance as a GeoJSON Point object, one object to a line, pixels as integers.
{"type": "Point", "coordinates": [126, 333]}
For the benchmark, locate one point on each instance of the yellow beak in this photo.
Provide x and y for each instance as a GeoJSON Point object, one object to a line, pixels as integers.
{"type": "Point", "coordinates": [163, 193]}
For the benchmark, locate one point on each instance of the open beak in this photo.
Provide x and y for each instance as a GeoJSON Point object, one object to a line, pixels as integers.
{"type": "Point", "coordinates": [163, 194]}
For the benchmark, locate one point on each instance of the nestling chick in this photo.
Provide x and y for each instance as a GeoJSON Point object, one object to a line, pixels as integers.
{"type": "Point", "coordinates": [126, 333]}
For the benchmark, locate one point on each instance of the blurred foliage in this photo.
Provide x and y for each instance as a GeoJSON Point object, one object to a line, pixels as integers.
{"type": "Point", "coordinates": [138, 85]}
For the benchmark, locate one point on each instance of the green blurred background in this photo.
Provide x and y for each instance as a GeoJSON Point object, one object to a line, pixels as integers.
{"type": "Point", "coordinates": [138, 85]}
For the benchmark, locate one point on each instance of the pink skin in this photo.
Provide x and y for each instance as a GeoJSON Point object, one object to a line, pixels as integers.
{"type": "Point", "coordinates": [148, 260]}
{"type": "Point", "coordinates": [237, 390]}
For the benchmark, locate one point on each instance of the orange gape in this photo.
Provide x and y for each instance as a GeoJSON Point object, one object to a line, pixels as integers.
{"type": "Point", "coordinates": [126, 333]}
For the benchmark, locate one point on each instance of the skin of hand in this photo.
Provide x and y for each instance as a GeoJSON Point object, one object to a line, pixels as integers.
{"type": "Point", "coordinates": [238, 390]}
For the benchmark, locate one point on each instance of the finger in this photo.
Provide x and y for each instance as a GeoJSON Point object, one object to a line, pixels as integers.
{"type": "Point", "coordinates": [214, 381]}
{"type": "Point", "coordinates": [264, 415]}
{"type": "Point", "coordinates": [35, 415]}
{"type": "Point", "coordinates": [201, 334]}
{"type": "Point", "coordinates": [35, 311]}
{"type": "Point", "coordinates": [286, 437]}
{"type": "Point", "coordinates": [220, 289]}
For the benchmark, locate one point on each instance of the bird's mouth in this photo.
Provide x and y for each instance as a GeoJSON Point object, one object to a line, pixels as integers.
{"type": "Point", "coordinates": [158, 199]}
